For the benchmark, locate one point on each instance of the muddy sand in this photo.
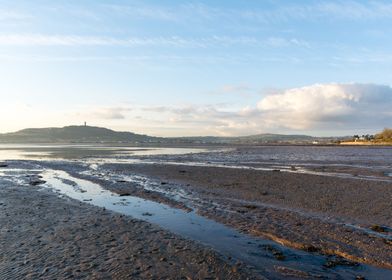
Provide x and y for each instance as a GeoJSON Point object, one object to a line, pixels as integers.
{"type": "Point", "coordinates": [336, 216]}
{"type": "Point", "coordinates": [338, 209]}
{"type": "Point", "coordinates": [43, 236]}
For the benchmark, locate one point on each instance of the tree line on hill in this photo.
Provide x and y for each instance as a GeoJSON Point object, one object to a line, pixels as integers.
{"type": "Point", "coordinates": [383, 136]}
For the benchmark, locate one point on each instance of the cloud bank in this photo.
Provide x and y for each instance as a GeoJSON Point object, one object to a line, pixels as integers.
{"type": "Point", "coordinates": [328, 106]}
{"type": "Point", "coordinates": [319, 109]}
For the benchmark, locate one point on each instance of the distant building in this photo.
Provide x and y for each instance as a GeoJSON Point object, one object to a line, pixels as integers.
{"type": "Point", "coordinates": [366, 137]}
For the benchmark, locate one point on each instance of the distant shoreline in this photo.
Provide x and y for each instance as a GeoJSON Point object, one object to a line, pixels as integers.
{"type": "Point", "coordinates": [187, 145]}
{"type": "Point", "coordinates": [365, 143]}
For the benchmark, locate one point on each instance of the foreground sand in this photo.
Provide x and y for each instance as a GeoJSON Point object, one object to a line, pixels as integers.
{"type": "Point", "coordinates": [314, 213]}
{"type": "Point", "coordinates": [43, 236]}
{"type": "Point", "coordinates": [46, 237]}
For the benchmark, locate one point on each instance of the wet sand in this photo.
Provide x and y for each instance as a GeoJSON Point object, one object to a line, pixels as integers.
{"type": "Point", "coordinates": [357, 200]}
{"type": "Point", "coordinates": [43, 236]}
{"type": "Point", "coordinates": [304, 211]}
{"type": "Point", "coordinates": [325, 214]}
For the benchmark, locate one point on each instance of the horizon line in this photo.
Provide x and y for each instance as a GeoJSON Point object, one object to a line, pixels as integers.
{"type": "Point", "coordinates": [196, 136]}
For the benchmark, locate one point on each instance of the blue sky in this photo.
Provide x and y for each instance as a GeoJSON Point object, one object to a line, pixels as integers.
{"type": "Point", "coordinates": [197, 67]}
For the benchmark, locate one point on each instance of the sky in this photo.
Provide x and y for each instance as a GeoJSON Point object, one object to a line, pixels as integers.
{"type": "Point", "coordinates": [187, 68]}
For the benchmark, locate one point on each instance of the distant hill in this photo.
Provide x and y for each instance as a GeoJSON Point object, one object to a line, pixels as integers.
{"type": "Point", "coordinates": [74, 134]}
{"type": "Point", "coordinates": [277, 138]}
{"type": "Point", "coordinates": [252, 139]}
{"type": "Point", "coordinates": [90, 134]}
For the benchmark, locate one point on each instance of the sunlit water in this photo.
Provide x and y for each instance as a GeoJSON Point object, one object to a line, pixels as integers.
{"type": "Point", "coordinates": [53, 152]}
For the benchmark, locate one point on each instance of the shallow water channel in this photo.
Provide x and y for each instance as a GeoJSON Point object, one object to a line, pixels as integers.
{"type": "Point", "coordinates": [263, 255]}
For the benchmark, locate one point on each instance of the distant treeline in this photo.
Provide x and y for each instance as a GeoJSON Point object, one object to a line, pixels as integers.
{"type": "Point", "coordinates": [384, 136]}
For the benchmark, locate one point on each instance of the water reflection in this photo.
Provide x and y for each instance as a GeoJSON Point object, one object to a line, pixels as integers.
{"type": "Point", "coordinates": [253, 251]}
{"type": "Point", "coordinates": [26, 152]}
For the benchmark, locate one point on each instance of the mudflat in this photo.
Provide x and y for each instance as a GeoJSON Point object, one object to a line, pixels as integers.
{"type": "Point", "coordinates": [357, 200]}
{"type": "Point", "coordinates": [44, 236]}
{"type": "Point", "coordinates": [335, 206]}
{"type": "Point", "coordinates": [308, 212]}
{"type": "Point", "coordinates": [238, 213]}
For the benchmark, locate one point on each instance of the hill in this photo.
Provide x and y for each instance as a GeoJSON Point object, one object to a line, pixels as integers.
{"type": "Point", "coordinates": [74, 134]}
{"type": "Point", "coordinates": [252, 139]}
{"type": "Point", "coordinates": [90, 134]}
{"type": "Point", "coordinates": [258, 139]}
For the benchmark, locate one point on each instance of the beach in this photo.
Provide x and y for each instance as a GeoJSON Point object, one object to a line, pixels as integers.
{"type": "Point", "coordinates": [196, 140]}
{"type": "Point", "coordinates": [303, 217]}
{"type": "Point", "coordinates": [46, 237]}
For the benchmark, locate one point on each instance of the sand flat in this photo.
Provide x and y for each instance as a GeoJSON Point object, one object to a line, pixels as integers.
{"type": "Point", "coordinates": [43, 236]}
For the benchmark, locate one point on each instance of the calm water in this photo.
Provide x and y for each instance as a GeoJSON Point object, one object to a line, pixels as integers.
{"type": "Point", "coordinates": [373, 163]}
{"type": "Point", "coordinates": [25, 152]}
{"type": "Point", "coordinates": [367, 156]}
{"type": "Point", "coordinates": [280, 154]}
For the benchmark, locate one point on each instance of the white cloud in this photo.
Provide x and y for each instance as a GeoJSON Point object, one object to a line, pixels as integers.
{"type": "Point", "coordinates": [337, 10]}
{"type": "Point", "coordinates": [329, 106]}
{"type": "Point", "coordinates": [355, 9]}
{"type": "Point", "coordinates": [235, 88]}
{"type": "Point", "coordinates": [105, 113]}
{"type": "Point", "coordinates": [346, 10]}
{"type": "Point", "coordinates": [169, 41]}
{"type": "Point", "coordinates": [59, 40]}
{"type": "Point", "coordinates": [327, 109]}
